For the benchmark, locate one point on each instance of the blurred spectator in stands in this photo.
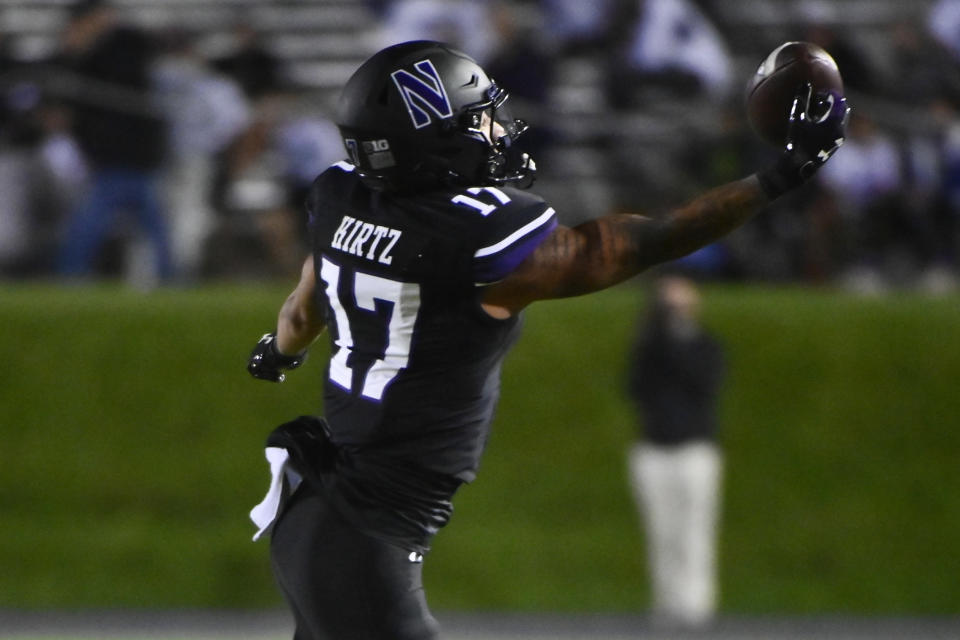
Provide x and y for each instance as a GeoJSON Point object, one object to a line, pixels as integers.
{"type": "Point", "coordinates": [919, 70]}
{"type": "Point", "coordinates": [64, 177]}
{"type": "Point", "coordinates": [819, 22]}
{"type": "Point", "coordinates": [523, 64]}
{"type": "Point", "coordinates": [943, 23]}
{"type": "Point", "coordinates": [378, 7]}
{"type": "Point", "coordinates": [673, 51]}
{"type": "Point", "coordinates": [464, 24]}
{"type": "Point", "coordinates": [583, 42]}
{"type": "Point", "coordinates": [20, 136]}
{"type": "Point", "coordinates": [206, 111]}
{"type": "Point", "coordinates": [669, 78]}
{"type": "Point", "coordinates": [867, 182]}
{"type": "Point", "coordinates": [925, 71]}
{"type": "Point", "coordinates": [250, 62]}
{"type": "Point", "coordinates": [258, 183]}
{"type": "Point", "coordinates": [944, 273]}
{"type": "Point", "coordinates": [575, 27]}
{"type": "Point", "coordinates": [120, 129]}
{"type": "Point", "coordinates": [308, 144]}
{"type": "Point", "coordinates": [931, 161]}
{"type": "Point", "coordinates": [675, 373]}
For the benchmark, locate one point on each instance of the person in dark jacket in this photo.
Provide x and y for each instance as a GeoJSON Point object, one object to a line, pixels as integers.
{"type": "Point", "coordinates": [107, 69]}
{"type": "Point", "coordinates": [675, 377]}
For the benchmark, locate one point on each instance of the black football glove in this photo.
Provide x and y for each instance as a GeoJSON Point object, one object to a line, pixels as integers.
{"type": "Point", "coordinates": [818, 127]}
{"type": "Point", "coordinates": [266, 363]}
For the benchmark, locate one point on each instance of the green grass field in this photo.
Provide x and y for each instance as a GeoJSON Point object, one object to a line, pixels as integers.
{"type": "Point", "coordinates": [131, 453]}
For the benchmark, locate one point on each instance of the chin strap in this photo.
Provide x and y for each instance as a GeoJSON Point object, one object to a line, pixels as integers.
{"type": "Point", "coordinates": [507, 164]}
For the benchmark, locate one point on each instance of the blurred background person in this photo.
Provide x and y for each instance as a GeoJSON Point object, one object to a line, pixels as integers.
{"type": "Point", "coordinates": [308, 143]}
{"type": "Point", "coordinates": [524, 64]}
{"type": "Point", "coordinates": [820, 24]}
{"type": "Point", "coordinates": [467, 25]}
{"type": "Point", "coordinates": [121, 132]}
{"type": "Point", "coordinates": [669, 77]}
{"type": "Point", "coordinates": [867, 187]}
{"type": "Point", "coordinates": [673, 50]}
{"type": "Point", "coordinates": [21, 134]}
{"type": "Point", "coordinates": [249, 62]}
{"type": "Point", "coordinates": [674, 379]}
{"type": "Point", "coordinates": [206, 111]}
{"type": "Point", "coordinates": [578, 27]}
{"type": "Point", "coordinates": [943, 23]}
{"type": "Point", "coordinates": [265, 174]}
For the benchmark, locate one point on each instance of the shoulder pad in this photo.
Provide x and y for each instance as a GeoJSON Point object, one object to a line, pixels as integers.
{"type": "Point", "coordinates": [329, 185]}
{"type": "Point", "coordinates": [509, 225]}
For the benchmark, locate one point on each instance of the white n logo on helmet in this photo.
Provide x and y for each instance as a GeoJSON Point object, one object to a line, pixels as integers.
{"type": "Point", "coordinates": [424, 94]}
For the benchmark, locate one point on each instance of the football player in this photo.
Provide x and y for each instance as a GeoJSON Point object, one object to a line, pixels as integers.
{"type": "Point", "coordinates": [425, 251]}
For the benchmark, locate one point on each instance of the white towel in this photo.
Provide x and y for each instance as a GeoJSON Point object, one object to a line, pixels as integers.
{"type": "Point", "coordinates": [264, 514]}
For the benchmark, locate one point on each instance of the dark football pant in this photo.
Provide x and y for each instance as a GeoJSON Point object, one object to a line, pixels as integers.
{"type": "Point", "coordinates": [342, 584]}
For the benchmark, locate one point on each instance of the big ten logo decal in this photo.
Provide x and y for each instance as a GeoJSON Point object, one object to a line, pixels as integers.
{"type": "Point", "coordinates": [376, 152]}
{"type": "Point", "coordinates": [374, 146]}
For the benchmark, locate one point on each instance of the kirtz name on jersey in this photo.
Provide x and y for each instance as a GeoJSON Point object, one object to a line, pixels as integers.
{"type": "Point", "coordinates": [364, 239]}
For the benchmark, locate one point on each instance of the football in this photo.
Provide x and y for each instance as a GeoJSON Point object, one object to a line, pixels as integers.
{"type": "Point", "coordinates": [770, 92]}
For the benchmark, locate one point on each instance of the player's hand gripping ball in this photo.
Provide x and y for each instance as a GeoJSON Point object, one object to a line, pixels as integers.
{"type": "Point", "coordinates": [772, 90]}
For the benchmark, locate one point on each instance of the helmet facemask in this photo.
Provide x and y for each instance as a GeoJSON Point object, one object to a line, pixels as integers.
{"type": "Point", "coordinates": [491, 156]}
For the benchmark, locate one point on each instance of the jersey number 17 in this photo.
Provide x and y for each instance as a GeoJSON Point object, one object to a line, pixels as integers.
{"type": "Point", "coordinates": [398, 309]}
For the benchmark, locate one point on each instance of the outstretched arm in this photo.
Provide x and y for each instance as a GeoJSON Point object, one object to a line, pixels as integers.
{"type": "Point", "coordinates": [600, 253]}
{"type": "Point", "coordinates": [608, 250]}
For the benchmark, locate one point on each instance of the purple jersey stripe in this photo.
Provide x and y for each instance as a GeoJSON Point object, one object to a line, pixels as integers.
{"type": "Point", "coordinates": [489, 267]}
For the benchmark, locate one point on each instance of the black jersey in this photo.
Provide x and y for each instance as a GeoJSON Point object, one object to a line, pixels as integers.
{"type": "Point", "coordinates": [414, 372]}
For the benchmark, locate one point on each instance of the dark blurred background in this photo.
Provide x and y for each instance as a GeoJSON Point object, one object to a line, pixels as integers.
{"type": "Point", "coordinates": [167, 143]}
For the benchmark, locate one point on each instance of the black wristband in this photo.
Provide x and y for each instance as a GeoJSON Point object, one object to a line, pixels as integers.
{"type": "Point", "coordinates": [785, 175]}
{"type": "Point", "coordinates": [283, 360]}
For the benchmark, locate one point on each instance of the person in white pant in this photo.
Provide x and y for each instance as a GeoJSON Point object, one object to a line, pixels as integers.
{"type": "Point", "coordinates": [675, 466]}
